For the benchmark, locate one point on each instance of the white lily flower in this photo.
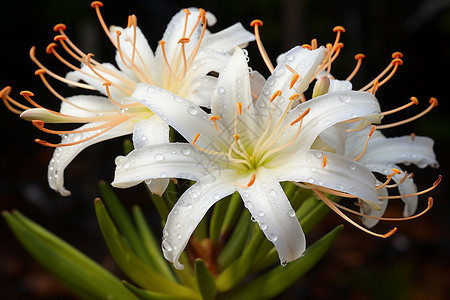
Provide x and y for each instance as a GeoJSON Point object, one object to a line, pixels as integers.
{"type": "Point", "coordinates": [180, 64]}
{"type": "Point", "coordinates": [250, 148]}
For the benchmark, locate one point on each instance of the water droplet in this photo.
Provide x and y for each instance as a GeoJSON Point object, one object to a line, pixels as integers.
{"type": "Point", "coordinates": [185, 151]}
{"type": "Point", "coordinates": [189, 206]}
{"type": "Point", "coordinates": [166, 246]}
{"type": "Point", "coordinates": [193, 110]}
{"type": "Point", "coordinates": [165, 232]}
{"type": "Point", "coordinates": [221, 89]}
{"type": "Point", "coordinates": [179, 236]}
{"type": "Point", "coordinates": [178, 225]}
{"type": "Point", "coordinates": [318, 154]}
{"type": "Point", "coordinates": [279, 72]}
{"type": "Point", "coordinates": [273, 237]}
{"type": "Point", "coordinates": [313, 169]}
{"type": "Point", "coordinates": [175, 212]}
{"type": "Point", "coordinates": [270, 81]}
{"type": "Point", "coordinates": [249, 204]}
{"type": "Point", "coordinates": [159, 157]}
{"type": "Point", "coordinates": [311, 180]}
{"type": "Point", "coordinates": [194, 195]}
{"type": "Point", "coordinates": [344, 98]}
{"type": "Point", "coordinates": [143, 138]}
{"type": "Point", "coordinates": [289, 57]}
{"type": "Point", "coordinates": [216, 197]}
{"type": "Point", "coordinates": [126, 165]}
{"type": "Point", "coordinates": [291, 213]}
{"type": "Point", "coordinates": [273, 193]}
{"type": "Point", "coordinates": [352, 167]}
{"type": "Point", "coordinates": [266, 91]}
{"type": "Point", "coordinates": [203, 210]}
{"type": "Point", "coordinates": [263, 226]}
{"type": "Point", "coordinates": [261, 213]}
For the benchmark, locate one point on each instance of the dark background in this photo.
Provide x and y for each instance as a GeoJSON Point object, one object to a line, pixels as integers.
{"type": "Point", "coordinates": [413, 264]}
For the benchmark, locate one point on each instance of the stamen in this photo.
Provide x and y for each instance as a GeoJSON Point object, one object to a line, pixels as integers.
{"type": "Point", "coordinates": [4, 94]}
{"type": "Point", "coordinates": [359, 58]}
{"type": "Point", "coordinates": [332, 206]}
{"type": "Point", "coordinates": [96, 5]}
{"type": "Point", "coordinates": [183, 41]}
{"type": "Point", "coordinates": [162, 43]}
{"type": "Point", "coordinates": [274, 95]}
{"type": "Point", "coordinates": [202, 17]}
{"type": "Point", "coordinates": [413, 101]}
{"type": "Point", "coordinates": [324, 161]}
{"type": "Point", "coordinates": [435, 184]}
{"type": "Point", "coordinates": [294, 79]}
{"type": "Point", "coordinates": [388, 179]}
{"type": "Point", "coordinates": [429, 206]}
{"type": "Point", "coordinates": [256, 24]}
{"type": "Point", "coordinates": [39, 124]}
{"type": "Point", "coordinates": [300, 117]}
{"type": "Point", "coordinates": [367, 142]}
{"type": "Point", "coordinates": [396, 61]}
{"type": "Point", "coordinates": [214, 119]}
{"type": "Point", "coordinates": [433, 103]}
{"type": "Point", "coordinates": [249, 184]}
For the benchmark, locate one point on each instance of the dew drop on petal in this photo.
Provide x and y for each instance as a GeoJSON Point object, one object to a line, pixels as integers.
{"type": "Point", "coordinates": [289, 57]}
{"type": "Point", "coordinates": [291, 213]}
{"type": "Point", "coordinates": [166, 246]}
{"type": "Point", "coordinates": [344, 98]}
{"type": "Point", "coordinates": [270, 81]}
{"type": "Point", "coordinates": [261, 213]}
{"type": "Point", "coordinates": [273, 193]}
{"type": "Point", "coordinates": [263, 226]}
{"type": "Point", "coordinates": [186, 151]}
{"type": "Point", "coordinates": [193, 110]}
{"type": "Point", "coordinates": [179, 236]}
{"type": "Point", "coordinates": [163, 175]}
{"type": "Point", "coordinates": [273, 237]}
{"type": "Point", "coordinates": [249, 204]}
{"type": "Point", "coordinates": [311, 180]}
{"type": "Point", "coordinates": [189, 206]}
{"type": "Point", "coordinates": [221, 89]}
{"type": "Point", "coordinates": [159, 157]}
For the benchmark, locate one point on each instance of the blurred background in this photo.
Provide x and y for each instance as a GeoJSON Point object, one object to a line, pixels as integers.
{"type": "Point", "coordinates": [413, 264]}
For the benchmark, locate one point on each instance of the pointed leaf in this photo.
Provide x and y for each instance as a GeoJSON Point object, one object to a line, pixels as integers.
{"type": "Point", "coordinates": [144, 294]}
{"type": "Point", "coordinates": [205, 281]}
{"type": "Point", "coordinates": [79, 273]}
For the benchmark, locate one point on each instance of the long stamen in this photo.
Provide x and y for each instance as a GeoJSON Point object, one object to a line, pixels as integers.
{"type": "Point", "coordinates": [333, 207]}
{"type": "Point", "coordinates": [433, 103]}
{"type": "Point", "coordinates": [249, 184]}
{"type": "Point", "coordinates": [359, 58]}
{"type": "Point", "coordinates": [365, 146]}
{"type": "Point", "coordinates": [215, 119]}
{"type": "Point", "coordinates": [396, 60]}
{"type": "Point", "coordinates": [256, 24]}
{"type": "Point", "coordinates": [4, 94]}
{"type": "Point", "coordinates": [413, 101]}
{"type": "Point", "coordinates": [203, 149]}
{"type": "Point", "coordinates": [39, 124]}
{"type": "Point", "coordinates": [429, 206]}
{"type": "Point", "coordinates": [202, 17]}
{"type": "Point", "coordinates": [388, 179]}
{"type": "Point", "coordinates": [435, 184]}
{"type": "Point", "coordinates": [162, 43]}
{"type": "Point", "coordinates": [96, 5]}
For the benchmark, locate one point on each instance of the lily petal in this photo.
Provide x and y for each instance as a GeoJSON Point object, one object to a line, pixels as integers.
{"type": "Point", "coordinates": [62, 156]}
{"type": "Point", "coordinates": [190, 210]}
{"type": "Point", "coordinates": [369, 211]}
{"type": "Point", "coordinates": [174, 160]}
{"type": "Point", "coordinates": [270, 207]}
{"type": "Point", "coordinates": [225, 40]}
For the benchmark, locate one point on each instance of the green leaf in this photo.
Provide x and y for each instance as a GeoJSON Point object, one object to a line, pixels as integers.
{"type": "Point", "coordinates": [127, 146]}
{"type": "Point", "coordinates": [275, 281]}
{"type": "Point", "coordinates": [217, 218]}
{"type": "Point", "coordinates": [78, 272]}
{"type": "Point", "coordinates": [151, 244]}
{"type": "Point", "coordinates": [124, 223]}
{"type": "Point", "coordinates": [231, 215]}
{"type": "Point", "coordinates": [137, 270]}
{"type": "Point", "coordinates": [205, 281]}
{"type": "Point", "coordinates": [144, 294]}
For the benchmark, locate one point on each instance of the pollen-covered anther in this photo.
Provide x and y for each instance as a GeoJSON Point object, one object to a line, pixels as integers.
{"type": "Point", "coordinates": [324, 161]}
{"type": "Point", "coordinates": [26, 94]}
{"type": "Point", "coordinates": [215, 119]}
{"type": "Point", "coordinates": [184, 40]}
{"type": "Point", "coordinates": [397, 55]}
{"type": "Point", "coordinates": [256, 22]}
{"type": "Point", "coordinates": [294, 80]}
{"type": "Point", "coordinates": [338, 29]}
{"type": "Point", "coordinates": [59, 27]}
{"type": "Point", "coordinates": [59, 38]}
{"type": "Point", "coordinates": [236, 137]}
{"type": "Point", "coordinates": [367, 142]}
{"type": "Point", "coordinates": [358, 57]}
{"type": "Point", "coordinates": [274, 95]}
{"type": "Point", "coordinates": [300, 117]}
{"type": "Point", "coordinates": [50, 48]}
{"type": "Point", "coordinates": [39, 72]}
{"type": "Point", "coordinates": [96, 4]}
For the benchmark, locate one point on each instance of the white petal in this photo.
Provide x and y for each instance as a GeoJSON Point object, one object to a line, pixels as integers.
{"type": "Point", "coordinates": [186, 117]}
{"type": "Point", "coordinates": [304, 62]}
{"type": "Point", "coordinates": [158, 186]}
{"type": "Point", "coordinates": [270, 207]}
{"type": "Point", "coordinates": [62, 156]}
{"type": "Point", "coordinates": [225, 40]}
{"type": "Point", "coordinates": [369, 211]}
{"type": "Point", "coordinates": [339, 86]}
{"type": "Point", "coordinates": [233, 86]}
{"type": "Point", "coordinates": [338, 174]}
{"type": "Point", "coordinates": [175, 160]}
{"type": "Point", "coordinates": [201, 91]}
{"type": "Point", "coordinates": [334, 136]}
{"type": "Point", "coordinates": [87, 106]}
{"type": "Point", "coordinates": [326, 111]}
{"type": "Point", "coordinates": [190, 210]}
{"type": "Point", "coordinates": [150, 131]}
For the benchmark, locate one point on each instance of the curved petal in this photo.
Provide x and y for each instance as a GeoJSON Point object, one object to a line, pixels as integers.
{"type": "Point", "coordinates": [175, 160]}
{"type": "Point", "coordinates": [62, 156]}
{"type": "Point", "coordinates": [305, 63]}
{"type": "Point", "coordinates": [370, 212]}
{"type": "Point", "coordinates": [93, 106]}
{"type": "Point", "coordinates": [186, 117]}
{"type": "Point", "coordinates": [338, 174]}
{"type": "Point", "coordinates": [270, 207]}
{"type": "Point", "coordinates": [225, 40]}
{"type": "Point", "coordinates": [190, 210]}
{"type": "Point", "coordinates": [150, 131]}
{"type": "Point", "coordinates": [334, 136]}
{"type": "Point", "coordinates": [326, 111]}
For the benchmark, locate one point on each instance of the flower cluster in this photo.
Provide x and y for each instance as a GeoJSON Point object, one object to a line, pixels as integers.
{"type": "Point", "coordinates": [242, 132]}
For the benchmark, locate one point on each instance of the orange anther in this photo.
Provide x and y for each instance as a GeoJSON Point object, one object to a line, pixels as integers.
{"type": "Point", "coordinates": [26, 93]}
{"type": "Point", "coordinates": [202, 11]}
{"type": "Point", "coordinates": [50, 47]}
{"type": "Point", "coordinates": [390, 233]}
{"type": "Point", "coordinates": [372, 130]}
{"type": "Point", "coordinates": [59, 27]}
{"type": "Point", "coordinates": [256, 23]}
{"type": "Point", "coordinates": [307, 46]}
{"type": "Point", "coordinates": [38, 123]}
{"type": "Point", "coordinates": [252, 180]}
{"type": "Point", "coordinates": [359, 56]}
{"type": "Point", "coordinates": [236, 137]}
{"type": "Point", "coordinates": [162, 42]}
{"type": "Point", "coordinates": [338, 28]}
{"type": "Point", "coordinates": [96, 4]}
{"type": "Point", "coordinates": [414, 100]}
{"type": "Point", "coordinates": [186, 11]}
{"type": "Point", "coordinates": [239, 107]}
{"type": "Point", "coordinates": [397, 61]}
{"type": "Point", "coordinates": [397, 55]}
{"type": "Point", "coordinates": [214, 118]}
{"type": "Point", "coordinates": [59, 37]}
{"type": "Point", "coordinates": [433, 101]}
{"type": "Point", "coordinates": [324, 161]}
{"type": "Point", "coordinates": [301, 116]}
{"type": "Point", "coordinates": [39, 72]}
{"type": "Point", "coordinates": [118, 32]}
{"type": "Point", "coordinates": [294, 79]}
{"type": "Point", "coordinates": [396, 171]}
{"type": "Point", "coordinates": [276, 94]}
{"type": "Point", "coordinates": [195, 138]}
{"type": "Point", "coordinates": [413, 136]}
{"type": "Point", "coordinates": [184, 40]}
{"type": "Point", "coordinates": [340, 45]}
{"type": "Point", "coordinates": [294, 97]}
{"type": "Point", "coordinates": [107, 83]}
